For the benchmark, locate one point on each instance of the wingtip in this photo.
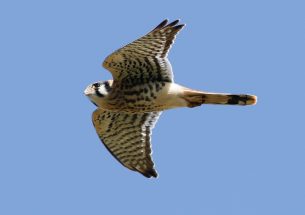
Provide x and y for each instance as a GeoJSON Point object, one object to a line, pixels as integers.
{"type": "Point", "coordinates": [179, 27]}
{"type": "Point", "coordinates": [150, 173]}
{"type": "Point", "coordinates": [162, 24]}
{"type": "Point", "coordinates": [174, 22]}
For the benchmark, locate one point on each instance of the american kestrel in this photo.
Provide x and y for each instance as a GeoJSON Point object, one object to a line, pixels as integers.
{"type": "Point", "coordinates": [129, 106]}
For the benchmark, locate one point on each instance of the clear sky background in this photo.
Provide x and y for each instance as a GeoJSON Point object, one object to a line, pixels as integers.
{"type": "Point", "coordinates": [211, 160]}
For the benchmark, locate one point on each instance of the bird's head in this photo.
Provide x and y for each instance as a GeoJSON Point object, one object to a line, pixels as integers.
{"type": "Point", "coordinates": [96, 92]}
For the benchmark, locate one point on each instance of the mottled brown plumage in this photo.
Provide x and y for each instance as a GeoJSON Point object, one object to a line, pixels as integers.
{"type": "Point", "coordinates": [127, 137]}
{"type": "Point", "coordinates": [142, 87]}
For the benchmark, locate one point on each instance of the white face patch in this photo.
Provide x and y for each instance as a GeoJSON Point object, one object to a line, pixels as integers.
{"type": "Point", "coordinates": [102, 90]}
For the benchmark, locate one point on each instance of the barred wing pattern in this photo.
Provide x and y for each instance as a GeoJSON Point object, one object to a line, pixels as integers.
{"type": "Point", "coordinates": [146, 57]}
{"type": "Point", "coordinates": [127, 137]}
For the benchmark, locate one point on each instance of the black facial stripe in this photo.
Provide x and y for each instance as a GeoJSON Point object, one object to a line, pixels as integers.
{"type": "Point", "coordinates": [107, 86]}
{"type": "Point", "coordinates": [98, 93]}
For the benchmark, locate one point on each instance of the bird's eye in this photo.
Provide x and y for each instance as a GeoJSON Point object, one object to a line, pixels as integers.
{"type": "Point", "coordinates": [96, 85]}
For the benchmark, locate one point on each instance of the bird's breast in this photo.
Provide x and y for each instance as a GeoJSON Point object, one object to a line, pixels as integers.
{"type": "Point", "coordinates": [155, 96]}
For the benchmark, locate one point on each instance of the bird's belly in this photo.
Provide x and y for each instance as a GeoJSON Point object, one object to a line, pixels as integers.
{"type": "Point", "coordinates": [147, 98]}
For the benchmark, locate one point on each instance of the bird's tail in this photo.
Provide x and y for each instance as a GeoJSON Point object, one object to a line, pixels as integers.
{"type": "Point", "coordinates": [196, 98]}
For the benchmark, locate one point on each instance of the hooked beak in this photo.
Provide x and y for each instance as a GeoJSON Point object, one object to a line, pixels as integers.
{"type": "Point", "coordinates": [89, 91]}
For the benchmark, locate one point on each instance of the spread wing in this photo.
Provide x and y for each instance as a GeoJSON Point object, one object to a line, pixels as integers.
{"type": "Point", "coordinates": [146, 57]}
{"type": "Point", "coordinates": [127, 137]}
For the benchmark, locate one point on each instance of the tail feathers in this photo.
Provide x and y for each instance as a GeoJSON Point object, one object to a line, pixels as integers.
{"type": "Point", "coordinates": [196, 98]}
{"type": "Point", "coordinates": [229, 99]}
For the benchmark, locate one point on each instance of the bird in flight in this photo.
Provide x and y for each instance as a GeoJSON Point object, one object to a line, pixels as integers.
{"type": "Point", "coordinates": [143, 86]}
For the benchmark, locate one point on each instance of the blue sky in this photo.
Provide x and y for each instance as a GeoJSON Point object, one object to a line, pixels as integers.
{"type": "Point", "coordinates": [211, 160]}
